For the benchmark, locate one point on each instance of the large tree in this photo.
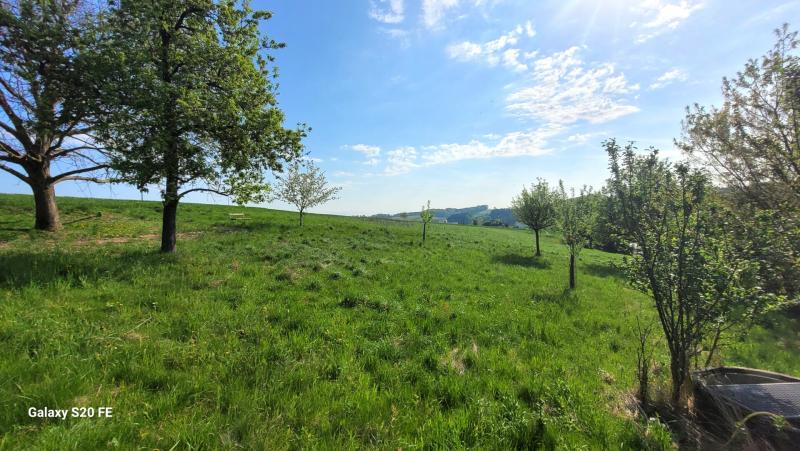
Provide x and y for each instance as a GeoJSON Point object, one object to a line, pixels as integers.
{"type": "Point", "coordinates": [188, 101]}
{"type": "Point", "coordinates": [536, 208]}
{"type": "Point", "coordinates": [43, 103]}
{"type": "Point", "coordinates": [685, 258]}
{"type": "Point", "coordinates": [752, 144]}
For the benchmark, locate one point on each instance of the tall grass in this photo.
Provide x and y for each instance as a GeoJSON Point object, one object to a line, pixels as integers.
{"type": "Point", "coordinates": [344, 334]}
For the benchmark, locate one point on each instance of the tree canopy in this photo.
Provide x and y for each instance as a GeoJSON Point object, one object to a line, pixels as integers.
{"type": "Point", "coordinates": [188, 101]}
{"type": "Point", "coordinates": [536, 208]}
{"type": "Point", "coordinates": [752, 144]}
{"type": "Point", "coordinates": [685, 257]}
{"type": "Point", "coordinates": [306, 189]}
{"type": "Point", "coordinates": [575, 216]}
{"type": "Point", "coordinates": [44, 100]}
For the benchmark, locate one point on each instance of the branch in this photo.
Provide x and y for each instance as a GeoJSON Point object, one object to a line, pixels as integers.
{"type": "Point", "coordinates": [19, 129]}
{"type": "Point", "coordinates": [15, 173]}
{"type": "Point", "coordinates": [208, 190]}
{"type": "Point", "coordinates": [70, 132]}
{"type": "Point", "coordinates": [16, 94]}
{"type": "Point", "coordinates": [82, 179]}
{"type": "Point", "coordinates": [10, 156]}
{"type": "Point", "coordinates": [63, 152]}
{"type": "Point", "coordinates": [67, 174]}
{"type": "Point", "coordinates": [184, 15]}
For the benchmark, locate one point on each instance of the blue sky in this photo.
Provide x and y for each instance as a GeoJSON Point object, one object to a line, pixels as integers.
{"type": "Point", "coordinates": [464, 101]}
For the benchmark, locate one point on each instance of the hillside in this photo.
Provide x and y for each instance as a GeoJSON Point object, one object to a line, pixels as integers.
{"type": "Point", "coordinates": [470, 215]}
{"type": "Point", "coordinates": [348, 333]}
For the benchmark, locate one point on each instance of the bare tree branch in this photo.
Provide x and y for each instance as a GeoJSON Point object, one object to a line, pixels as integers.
{"type": "Point", "coordinates": [207, 190]}
{"type": "Point", "coordinates": [60, 177]}
{"type": "Point", "coordinates": [17, 174]}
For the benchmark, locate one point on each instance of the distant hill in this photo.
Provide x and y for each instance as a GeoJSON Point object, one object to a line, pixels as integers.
{"type": "Point", "coordinates": [470, 215]}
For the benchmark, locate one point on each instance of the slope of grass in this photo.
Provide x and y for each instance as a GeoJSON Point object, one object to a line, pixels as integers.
{"type": "Point", "coordinates": [347, 333]}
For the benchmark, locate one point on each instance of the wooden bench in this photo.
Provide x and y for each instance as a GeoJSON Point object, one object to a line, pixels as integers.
{"type": "Point", "coordinates": [237, 217]}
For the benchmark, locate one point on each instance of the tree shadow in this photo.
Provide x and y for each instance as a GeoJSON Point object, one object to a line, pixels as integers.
{"type": "Point", "coordinates": [604, 270]}
{"type": "Point", "coordinates": [13, 226]}
{"type": "Point", "coordinates": [521, 260]}
{"type": "Point", "coordinates": [565, 295]}
{"type": "Point", "coordinates": [76, 268]}
{"type": "Point", "coordinates": [247, 226]}
{"type": "Point", "coordinates": [85, 218]}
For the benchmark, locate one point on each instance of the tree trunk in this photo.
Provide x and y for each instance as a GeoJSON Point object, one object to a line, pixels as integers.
{"type": "Point", "coordinates": [424, 227]}
{"type": "Point", "coordinates": [536, 232]}
{"type": "Point", "coordinates": [571, 271]}
{"type": "Point", "coordinates": [44, 198]}
{"type": "Point", "coordinates": [301, 218]}
{"type": "Point", "coordinates": [171, 158]}
{"type": "Point", "coordinates": [679, 371]}
{"type": "Point", "coordinates": [168, 226]}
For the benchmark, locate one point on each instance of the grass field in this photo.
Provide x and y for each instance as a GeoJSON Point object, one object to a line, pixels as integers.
{"type": "Point", "coordinates": [347, 333]}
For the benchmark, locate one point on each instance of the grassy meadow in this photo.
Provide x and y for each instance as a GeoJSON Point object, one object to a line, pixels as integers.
{"type": "Point", "coordinates": [347, 333]}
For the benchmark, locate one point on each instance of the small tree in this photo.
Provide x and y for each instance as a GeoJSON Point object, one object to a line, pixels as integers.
{"type": "Point", "coordinates": [575, 220]}
{"type": "Point", "coordinates": [427, 216]}
{"type": "Point", "coordinates": [536, 208]}
{"type": "Point", "coordinates": [685, 258]}
{"type": "Point", "coordinates": [304, 190]}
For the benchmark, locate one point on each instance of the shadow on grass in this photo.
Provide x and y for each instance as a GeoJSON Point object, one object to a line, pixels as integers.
{"type": "Point", "coordinates": [85, 218]}
{"type": "Point", "coordinates": [13, 226]}
{"type": "Point", "coordinates": [563, 296]}
{"type": "Point", "coordinates": [603, 270]}
{"type": "Point", "coordinates": [250, 226]}
{"type": "Point", "coordinates": [521, 260]}
{"type": "Point", "coordinates": [25, 268]}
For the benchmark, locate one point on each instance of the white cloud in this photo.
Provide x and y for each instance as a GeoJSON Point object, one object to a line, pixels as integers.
{"type": "Point", "coordinates": [531, 143]}
{"type": "Point", "coordinates": [401, 160]}
{"type": "Point", "coordinates": [660, 16]}
{"type": "Point", "coordinates": [511, 59]}
{"type": "Point", "coordinates": [343, 174]}
{"type": "Point", "coordinates": [433, 11]}
{"type": "Point", "coordinates": [564, 90]}
{"type": "Point", "coordinates": [496, 51]}
{"type": "Point", "coordinates": [583, 138]}
{"type": "Point", "coordinates": [387, 11]}
{"type": "Point", "coordinates": [372, 161]}
{"type": "Point", "coordinates": [370, 151]}
{"type": "Point", "coordinates": [464, 51]}
{"type": "Point", "coordinates": [669, 77]}
{"type": "Point", "coordinates": [529, 30]}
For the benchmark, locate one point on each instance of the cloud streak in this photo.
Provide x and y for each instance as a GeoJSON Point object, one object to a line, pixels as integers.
{"type": "Point", "coordinates": [497, 50]}
{"type": "Point", "coordinates": [564, 90]}
{"type": "Point", "coordinates": [514, 144]}
{"type": "Point", "coordinates": [660, 16]}
{"type": "Point", "coordinates": [669, 77]}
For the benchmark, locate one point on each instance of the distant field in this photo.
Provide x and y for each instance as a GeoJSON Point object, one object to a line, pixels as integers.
{"type": "Point", "coordinates": [344, 334]}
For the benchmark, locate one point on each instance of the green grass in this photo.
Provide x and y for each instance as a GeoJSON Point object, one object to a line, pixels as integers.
{"type": "Point", "coordinates": [347, 333]}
